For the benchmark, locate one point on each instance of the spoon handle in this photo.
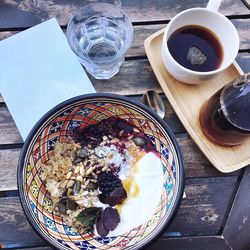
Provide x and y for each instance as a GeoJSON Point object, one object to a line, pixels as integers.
{"type": "Point", "coordinates": [153, 100]}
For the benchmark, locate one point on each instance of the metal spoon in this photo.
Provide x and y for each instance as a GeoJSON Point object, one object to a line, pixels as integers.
{"type": "Point", "coordinates": [153, 100]}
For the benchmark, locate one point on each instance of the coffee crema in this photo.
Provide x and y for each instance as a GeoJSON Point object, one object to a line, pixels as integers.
{"type": "Point", "coordinates": [196, 48]}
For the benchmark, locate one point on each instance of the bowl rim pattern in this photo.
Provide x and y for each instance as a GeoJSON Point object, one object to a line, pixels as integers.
{"type": "Point", "coordinates": [94, 96]}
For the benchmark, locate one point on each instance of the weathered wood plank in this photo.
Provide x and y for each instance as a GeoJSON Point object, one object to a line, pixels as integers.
{"type": "Point", "coordinates": [136, 77]}
{"type": "Point", "coordinates": [8, 130]}
{"type": "Point", "coordinates": [14, 226]}
{"type": "Point", "coordinates": [244, 62]}
{"type": "Point", "coordinates": [243, 26]}
{"type": "Point", "coordinates": [8, 169]}
{"type": "Point", "coordinates": [29, 13]}
{"type": "Point", "coordinates": [195, 164]}
{"type": "Point", "coordinates": [39, 248]}
{"type": "Point", "coordinates": [183, 243]}
{"type": "Point", "coordinates": [204, 208]}
{"type": "Point", "coordinates": [141, 32]}
{"type": "Point", "coordinates": [191, 243]}
{"type": "Point", "coordinates": [238, 222]}
{"type": "Point", "coordinates": [205, 205]}
{"type": "Point", "coordinates": [22, 245]}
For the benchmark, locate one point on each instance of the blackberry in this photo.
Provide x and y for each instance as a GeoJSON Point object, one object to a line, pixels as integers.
{"type": "Point", "coordinates": [107, 182]}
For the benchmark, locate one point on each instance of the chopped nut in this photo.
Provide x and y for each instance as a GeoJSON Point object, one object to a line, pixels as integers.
{"type": "Point", "coordinates": [102, 164]}
{"type": "Point", "coordinates": [92, 163]}
{"type": "Point", "coordinates": [100, 161]}
{"type": "Point", "coordinates": [85, 192]}
{"type": "Point", "coordinates": [110, 136]}
{"type": "Point", "coordinates": [136, 130]}
{"type": "Point", "coordinates": [82, 171]}
{"type": "Point", "coordinates": [104, 138]}
{"type": "Point", "coordinates": [130, 137]}
{"type": "Point", "coordinates": [92, 157]}
{"type": "Point", "coordinates": [69, 191]}
{"type": "Point", "coordinates": [86, 183]}
{"type": "Point", "coordinates": [69, 211]}
{"type": "Point", "coordinates": [68, 175]}
{"type": "Point", "coordinates": [77, 169]}
{"type": "Point", "coordinates": [121, 132]}
{"type": "Point", "coordinates": [115, 140]}
{"type": "Point", "coordinates": [95, 175]}
{"type": "Point", "coordinates": [89, 171]}
{"type": "Point", "coordinates": [77, 145]}
{"type": "Point", "coordinates": [104, 168]}
{"type": "Point", "coordinates": [70, 183]}
{"type": "Point", "coordinates": [65, 183]}
{"type": "Point", "coordinates": [79, 178]}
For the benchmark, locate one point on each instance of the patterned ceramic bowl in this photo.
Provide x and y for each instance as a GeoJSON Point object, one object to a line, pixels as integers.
{"type": "Point", "coordinates": [79, 112]}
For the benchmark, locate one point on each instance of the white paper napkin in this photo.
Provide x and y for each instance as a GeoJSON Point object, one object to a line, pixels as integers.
{"type": "Point", "coordinates": [38, 70]}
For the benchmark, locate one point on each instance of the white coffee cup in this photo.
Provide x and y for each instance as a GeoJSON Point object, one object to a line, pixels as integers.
{"type": "Point", "coordinates": [212, 20]}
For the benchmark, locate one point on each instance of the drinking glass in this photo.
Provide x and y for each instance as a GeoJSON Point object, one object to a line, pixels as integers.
{"type": "Point", "coordinates": [225, 117]}
{"type": "Point", "coordinates": [100, 34]}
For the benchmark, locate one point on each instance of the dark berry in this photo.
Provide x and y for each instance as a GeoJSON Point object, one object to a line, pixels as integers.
{"type": "Point", "coordinates": [107, 182]}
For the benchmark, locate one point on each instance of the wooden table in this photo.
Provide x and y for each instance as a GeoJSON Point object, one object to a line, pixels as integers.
{"type": "Point", "coordinates": [216, 213]}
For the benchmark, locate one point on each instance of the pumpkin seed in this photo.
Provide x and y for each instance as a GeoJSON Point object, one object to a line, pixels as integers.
{"type": "Point", "coordinates": [139, 141]}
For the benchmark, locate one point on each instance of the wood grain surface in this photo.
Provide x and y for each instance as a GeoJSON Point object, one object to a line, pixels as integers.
{"type": "Point", "coordinates": [196, 165]}
{"type": "Point", "coordinates": [214, 200]}
{"type": "Point", "coordinates": [187, 101]}
{"type": "Point", "coordinates": [136, 76]}
{"type": "Point", "coordinates": [29, 13]}
{"type": "Point", "coordinates": [141, 32]}
{"type": "Point", "coordinates": [208, 211]}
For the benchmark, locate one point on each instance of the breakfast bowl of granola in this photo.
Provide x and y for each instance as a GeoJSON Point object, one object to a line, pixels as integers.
{"type": "Point", "coordinates": [100, 171]}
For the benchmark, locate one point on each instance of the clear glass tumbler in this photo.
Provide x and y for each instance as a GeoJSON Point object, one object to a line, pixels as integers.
{"type": "Point", "coordinates": [100, 34]}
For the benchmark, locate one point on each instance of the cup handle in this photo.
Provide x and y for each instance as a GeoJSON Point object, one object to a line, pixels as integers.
{"type": "Point", "coordinates": [213, 5]}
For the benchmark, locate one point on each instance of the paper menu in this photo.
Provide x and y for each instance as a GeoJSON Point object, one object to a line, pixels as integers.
{"type": "Point", "coordinates": [38, 70]}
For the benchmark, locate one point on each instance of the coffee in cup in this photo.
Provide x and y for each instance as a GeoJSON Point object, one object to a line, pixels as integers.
{"type": "Point", "coordinates": [203, 50]}
{"type": "Point", "coordinates": [199, 43]}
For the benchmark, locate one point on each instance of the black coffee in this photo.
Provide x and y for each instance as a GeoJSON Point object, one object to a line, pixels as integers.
{"type": "Point", "coordinates": [196, 48]}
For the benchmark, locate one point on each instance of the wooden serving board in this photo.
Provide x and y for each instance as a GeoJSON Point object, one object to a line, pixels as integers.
{"type": "Point", "coordinates": [187, 100]}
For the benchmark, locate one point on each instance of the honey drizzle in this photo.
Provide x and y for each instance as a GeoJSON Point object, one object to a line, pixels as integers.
{"type": "Point", "coordinates": [130, 184]}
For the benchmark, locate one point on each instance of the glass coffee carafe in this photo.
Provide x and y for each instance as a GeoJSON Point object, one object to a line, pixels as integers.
{"type": "Point", "coordinates": [225, 117]}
